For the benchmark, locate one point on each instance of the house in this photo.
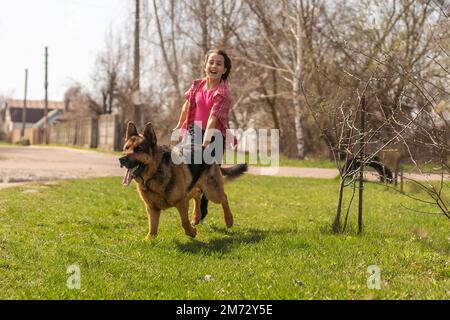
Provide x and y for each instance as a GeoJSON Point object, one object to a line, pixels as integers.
{"type": "Point", "coordinates": [35, 111]}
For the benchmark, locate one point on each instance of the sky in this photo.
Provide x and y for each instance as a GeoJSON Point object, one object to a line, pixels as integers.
{"type": "Point", "coordinates": [73, 30]}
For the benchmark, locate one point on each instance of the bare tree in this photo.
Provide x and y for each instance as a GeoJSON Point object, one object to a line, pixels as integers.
{"type": "Point", "coordinates": [109, 71]}
{"type": "Point", "coordinates": [80, 103]}
{"type": "Point", "coordinates": [287, 54]}
{"type": "Point", "coordinates": [170, 60]}
{"type": "Point", "coordinates": [393, 65]}
{"type": "Point", "coordinates": [278, 47]}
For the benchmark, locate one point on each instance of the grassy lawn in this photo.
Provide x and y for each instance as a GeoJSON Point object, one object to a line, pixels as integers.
{"type": "Point", "coordinates": [285, 161]}
{"type": "Point", "coordinates": [280, 247]}
{"type": "Point", "coordinates": [307, 163]}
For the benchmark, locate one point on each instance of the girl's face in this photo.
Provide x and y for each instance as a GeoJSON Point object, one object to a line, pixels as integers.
{"type": "Point", "coordinates": [215, 66]}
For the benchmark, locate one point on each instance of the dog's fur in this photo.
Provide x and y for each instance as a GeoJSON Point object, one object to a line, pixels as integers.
{"type": "Point", "coordinates": [163, 184]}
{"type": "Point", "coordinates": [385, 174]}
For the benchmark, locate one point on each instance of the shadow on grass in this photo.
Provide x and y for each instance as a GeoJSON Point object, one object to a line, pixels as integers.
{"type": "Point", "coordinates": [223, 244]}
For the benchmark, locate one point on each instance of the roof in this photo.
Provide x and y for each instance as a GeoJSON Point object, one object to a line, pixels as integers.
{"type": "Point", "coordinates": [35, 104]}
{"type": "Point", "coordinates": [33, 115]}
{"type": "Point", "coordinates": [51, 116]}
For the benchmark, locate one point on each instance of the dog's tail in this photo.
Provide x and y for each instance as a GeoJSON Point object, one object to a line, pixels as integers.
{"type": "Point", "coordinates": [234, 171]}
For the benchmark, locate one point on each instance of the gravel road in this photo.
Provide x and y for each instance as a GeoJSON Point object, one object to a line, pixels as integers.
{"type": "Point", "coordinates": [23, 164]}
{"type": "Point", "coordinates": [36, 163]}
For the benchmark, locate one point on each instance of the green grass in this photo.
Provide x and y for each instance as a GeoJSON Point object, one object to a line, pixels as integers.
{"type": "Point", "coordinates": [435, 168]}
{"type": "Point", "coordinates": [307, 163]}
{"type": "Point", "coordinates": [279, 248]}
{"type": "Point", "coordinates": [284, 161]}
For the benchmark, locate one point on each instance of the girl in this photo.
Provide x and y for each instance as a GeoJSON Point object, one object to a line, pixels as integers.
{"type": "Point", "coordinates": [208, 104]}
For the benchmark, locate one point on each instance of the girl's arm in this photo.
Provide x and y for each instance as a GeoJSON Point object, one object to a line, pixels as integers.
{"type": "Point", "coordinates": [183, 115]}
{"type": "Point", "coordinates": [212, 120]}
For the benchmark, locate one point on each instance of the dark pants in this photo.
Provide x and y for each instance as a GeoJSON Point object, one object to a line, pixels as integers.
{"type": "Point", "coordinates": [218, 158]}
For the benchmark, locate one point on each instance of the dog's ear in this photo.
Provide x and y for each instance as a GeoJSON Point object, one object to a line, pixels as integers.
{"type": "Point", "coordinates": [131, 130]}
{"type": "Point", "coordinates": [149, 134]}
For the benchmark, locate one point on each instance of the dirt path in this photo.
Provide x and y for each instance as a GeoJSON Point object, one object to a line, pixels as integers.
{"type": "Point", "coordinates": [24, 164]}
{"type": "Point", "coordinates": [35, 163]}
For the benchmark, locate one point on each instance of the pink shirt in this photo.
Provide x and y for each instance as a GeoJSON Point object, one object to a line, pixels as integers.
{"type": "Point", "coordinates": [204, 101]}
{"type": "Point", "coordinates": [219, 107]}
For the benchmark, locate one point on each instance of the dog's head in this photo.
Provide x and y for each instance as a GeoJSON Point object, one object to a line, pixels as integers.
{"type": "Point", "coordinates": [138, 152]}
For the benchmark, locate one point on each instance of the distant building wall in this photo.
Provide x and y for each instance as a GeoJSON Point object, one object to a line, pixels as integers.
{"type": "Point", "coordinates": [108, 132]}
{"type": "Point", "coordinates": [87, 132]}
{"type": "Point", "coordinates": [64, 133]}
{"type": "Point", "coordinates": [102, 133]}
{"type": "Point", "coordinates": [35, 136]}
{"type": "Point", "coordinates": [81, 132]}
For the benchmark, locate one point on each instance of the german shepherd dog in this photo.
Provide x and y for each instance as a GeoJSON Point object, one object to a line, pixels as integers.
{"type": "Point", "coordinates": [162, 184]}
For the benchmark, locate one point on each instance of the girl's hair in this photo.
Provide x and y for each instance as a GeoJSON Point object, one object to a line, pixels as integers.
{"type": "Point", "coordinates": [226, 58]}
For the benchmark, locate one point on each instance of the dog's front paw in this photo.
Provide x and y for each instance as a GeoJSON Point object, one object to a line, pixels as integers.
{"type": "Point", "coordinates": [150, 236]}
{"type": "Point", "coordinates": [192, 232]}
{"type": "Point", "coordinates": [229, 221]}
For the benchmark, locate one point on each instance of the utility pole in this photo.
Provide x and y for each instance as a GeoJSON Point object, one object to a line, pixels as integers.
{"type": "Point", "coordinates": [136, 69]}
{"type": "Point", "coordinates": [46, 97]}
{"type": "Point", "coordinates": [24, 110]}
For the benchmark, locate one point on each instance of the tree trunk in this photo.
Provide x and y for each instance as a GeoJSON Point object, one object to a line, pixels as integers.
{"type": "Point", "coordinates": [204, 25]}
{"type": "Point", "coordinates": [337, 220]}
{"type": "Point", "coordinates": [298, 121]}
{"type": "Point", "coordinates": [296, 84]}
{"type": "Point", "coordinates": [167, 61]}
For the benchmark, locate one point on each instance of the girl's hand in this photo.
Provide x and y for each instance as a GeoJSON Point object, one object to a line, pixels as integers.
{"type": "Point", "coordinates": [206, 143]}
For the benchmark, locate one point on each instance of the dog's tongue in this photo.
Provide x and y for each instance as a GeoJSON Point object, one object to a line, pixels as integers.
{"type": "Point", "coordinates": [128, 177]}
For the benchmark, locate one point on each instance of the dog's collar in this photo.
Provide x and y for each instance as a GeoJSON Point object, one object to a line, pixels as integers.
{"type": "Point", "coordinates": [146, 184]}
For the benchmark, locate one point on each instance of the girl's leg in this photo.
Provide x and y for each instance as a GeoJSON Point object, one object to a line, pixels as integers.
{"type": "Point", "coordinates": [218, 156]}
{"type": "Point", "coordinates": [203, 206]}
